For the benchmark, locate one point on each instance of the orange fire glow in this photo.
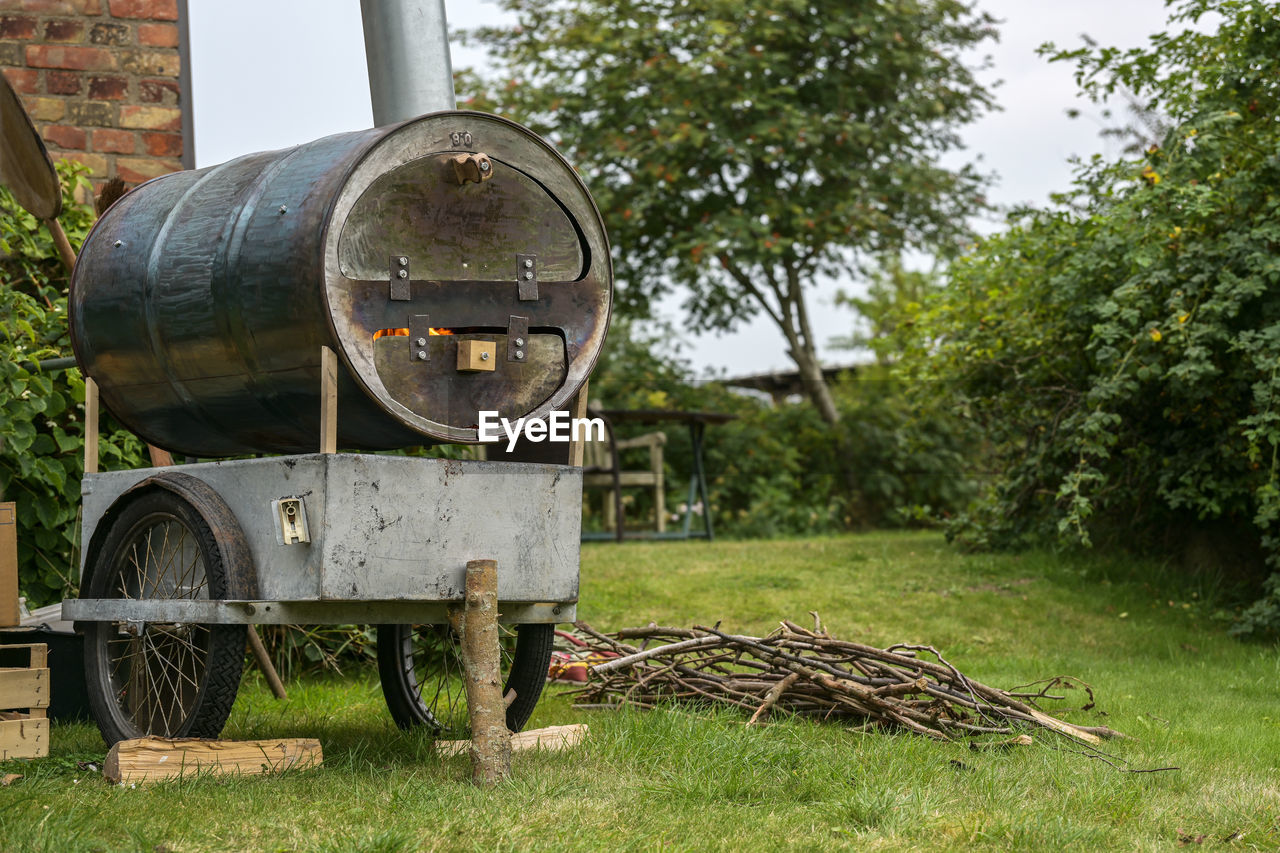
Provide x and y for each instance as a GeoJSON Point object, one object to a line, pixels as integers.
{"type": "Point", "coordinates": [404, 333]}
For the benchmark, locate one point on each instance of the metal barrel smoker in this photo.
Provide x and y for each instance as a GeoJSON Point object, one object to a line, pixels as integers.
{"type": "Point", "coordinates": [417, 274]}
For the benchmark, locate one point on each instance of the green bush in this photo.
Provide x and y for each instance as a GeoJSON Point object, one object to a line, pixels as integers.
{"type": "Point", "coordinates": [774, 470]}
{"type": "Point", "coordinates": [42, 416]}
{"type": "Point", "coordinates": [1121, 352]}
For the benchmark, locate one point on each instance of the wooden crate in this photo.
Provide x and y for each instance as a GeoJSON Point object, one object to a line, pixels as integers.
{"type": "Point", "coordinates": [24, 696]}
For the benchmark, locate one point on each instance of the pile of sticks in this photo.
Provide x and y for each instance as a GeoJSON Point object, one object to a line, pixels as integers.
{"type": "Point", "coordinates": [811, 673]}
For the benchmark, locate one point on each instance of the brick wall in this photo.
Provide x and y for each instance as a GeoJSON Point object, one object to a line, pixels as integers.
{"type": "Point", "coordinates": [102, 80]}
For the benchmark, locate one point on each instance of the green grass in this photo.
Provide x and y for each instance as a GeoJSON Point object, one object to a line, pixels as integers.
{"type": "Point", "coordinates": [1163, 673]}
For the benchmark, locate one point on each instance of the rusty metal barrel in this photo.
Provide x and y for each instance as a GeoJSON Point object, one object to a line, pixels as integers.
{"type": "Point", "coordinates": [455, 263]}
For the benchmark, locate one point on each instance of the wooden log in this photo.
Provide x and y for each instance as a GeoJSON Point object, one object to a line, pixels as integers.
{"type": "Point", "coordinates": [151, 759]}
{"type": "Point", "coordinates": [481, 661]}
{"type": "Point", "coordinates": [551, 739]}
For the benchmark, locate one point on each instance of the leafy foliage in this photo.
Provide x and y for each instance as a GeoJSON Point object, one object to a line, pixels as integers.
{"type": "Point", "coordinates": [742, 153]}
{"type": "Point", "coordinates": [1122, 350]}
{"type": "Point", "coordinates": [42, 416]}
{"type": "Point", "coordinates": [776, 469]}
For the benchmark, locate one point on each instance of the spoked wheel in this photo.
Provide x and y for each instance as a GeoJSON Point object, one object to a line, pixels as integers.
{"type": "Point", "coordinates": [420, 667]}
{"type": "Point", "coordinates": [171, 679]}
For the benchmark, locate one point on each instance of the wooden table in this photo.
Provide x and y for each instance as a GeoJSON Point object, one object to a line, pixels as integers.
{"type": "Point", "coordinates": [697, 423]}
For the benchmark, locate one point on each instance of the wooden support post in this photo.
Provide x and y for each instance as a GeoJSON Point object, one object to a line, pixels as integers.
{"type": "Point", "coordinates": [481, 662]}
{"type": "Point", "coordinates": [577, 448]}
{"type": "Point", "coordinates": [264, 663]}
{"type": "Point", "coordinates": [90, 426]}
{"type": "Point", "coordinates": [328, 401]}
{"type": "Point", "coordinates": [9, 612]}
{"type": "Point", "coordinates": [160, 458]}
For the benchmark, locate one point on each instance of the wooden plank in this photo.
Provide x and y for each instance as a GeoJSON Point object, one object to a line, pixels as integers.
{"type": "Point", "coordinates": [90, 426]}
{"type": "Point", "coordinates": [328, 401]}
{"type": "Point", "coordinates": [24, 688]}
{"type": "Point", "coordinates": [552, 739]}
{"type": "Point", "coordinates": [26, 737]}
{"type": "Point", "coordinates": [151, 759]}
{"type": "Point", "coordinates": [9, 612]}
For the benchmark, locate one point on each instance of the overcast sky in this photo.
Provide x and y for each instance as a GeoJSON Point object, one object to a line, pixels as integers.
{"type": "Point", "coordinates": [275, 73]}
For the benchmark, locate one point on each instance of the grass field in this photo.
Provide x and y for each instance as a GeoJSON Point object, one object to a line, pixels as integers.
{"type": "Point", "coordinates": [677, 780]}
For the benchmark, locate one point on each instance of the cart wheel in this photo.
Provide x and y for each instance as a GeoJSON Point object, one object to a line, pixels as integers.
{"type": "Point", "coordinates": [420, 667]}
{"type": "Point", "coordinates": [172, 679]}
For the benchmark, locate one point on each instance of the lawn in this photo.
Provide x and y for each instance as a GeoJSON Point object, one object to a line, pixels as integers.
{"type": "Point", "coordinates": [1164, 672]}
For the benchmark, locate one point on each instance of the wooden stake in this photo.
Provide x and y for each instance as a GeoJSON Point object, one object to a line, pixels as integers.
{"type": "Point", "coordinates": [481, 660]}
{"type": "Point", "coordinates": [150, 759]}
{"type": "Point", "coordinates": [264, 663]}
{"type": "Point", "coordinates": [159, 458]}
{"type": "Point", "coordinates": [328, 401]}
{"type": "Point", "coordinates": [90, 426]}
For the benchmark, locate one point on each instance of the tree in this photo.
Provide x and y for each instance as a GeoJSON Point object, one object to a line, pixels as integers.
{"type": "Point", "coordinates": [1121, 351]}
{"type": "Point", "coordinates": [744, 152]}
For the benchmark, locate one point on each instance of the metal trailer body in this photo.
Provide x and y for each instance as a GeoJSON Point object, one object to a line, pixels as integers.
{"type": "Point", "coordinates": [389, 539]}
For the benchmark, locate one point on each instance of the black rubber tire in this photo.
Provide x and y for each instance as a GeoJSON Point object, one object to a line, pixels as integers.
{"type": "Point", "coordinates": [209, 657]}
{"type": "Point", "coordinates": [525, 667]}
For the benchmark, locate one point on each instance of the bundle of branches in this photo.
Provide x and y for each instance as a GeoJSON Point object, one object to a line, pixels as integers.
{"type": "Point", "coordinates": [812, 673]}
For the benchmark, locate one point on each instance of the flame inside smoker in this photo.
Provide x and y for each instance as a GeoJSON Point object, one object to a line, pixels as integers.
{"type": "Point", "coordinates": [404, 333]}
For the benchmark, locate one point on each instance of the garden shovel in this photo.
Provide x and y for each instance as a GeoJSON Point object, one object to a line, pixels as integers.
{"type": "Point", "coordinates": [27, 170]}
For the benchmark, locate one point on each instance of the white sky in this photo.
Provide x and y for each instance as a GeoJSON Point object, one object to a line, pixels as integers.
{"type": "Point", "coordinates": [275, 73]}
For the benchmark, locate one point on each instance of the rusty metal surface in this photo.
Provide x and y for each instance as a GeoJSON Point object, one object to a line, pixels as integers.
{"type": "Point", "coordinates": [25, 167]}
{"type": "Point", "coordinates": [202, 298]}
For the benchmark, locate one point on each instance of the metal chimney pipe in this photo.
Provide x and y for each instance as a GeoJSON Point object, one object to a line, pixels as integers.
{"type": "Point", "coordinates": [406, 46]}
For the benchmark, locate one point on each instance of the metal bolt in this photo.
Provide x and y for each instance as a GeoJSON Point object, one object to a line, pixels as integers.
{"type": "Point", "coordinates": [528, 276]}
{"type": "Point", "coordinates": [119, 243]}
{"type": "Point", "coordinates": [422, 342]}
{"type": "Point", "coordinates": [284, 208]}
{"type": "Point", "coordinates": [528, 264]}
{"type": "Point", "coordinates": [403, 274]}
{"type": "Point", "coordinates": [484, 165]}
{"type": "Point", "coordinates": [484, 356]}
{"type": "Point", "coordinates": [519, 353]}
{"type": "Point", "coordinates": [404, 262]}
{"type": "Point", "coordinates": [519, 342]}
{"type": "Point", "coordinates": [422, 355]}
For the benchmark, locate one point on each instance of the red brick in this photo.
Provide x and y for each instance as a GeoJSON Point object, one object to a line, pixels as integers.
{"type": "Point", "coordinates": [64, 136]}
{"type": "Point", "coordinates": [108, 88]}
{"type": "Point", "coordinates": [158, 35]}
{"type": "Point", "coordinates": [135, 170]}
{"type": "Point", "coordinates": [158, 92]}
{"type": "Point", "coordinates": [151, 118]}
{"type": "Point", "coordinates": [12, 27]}
{"type": "Point", "coordinates": [64, 31]}
{"type": "Point", "coordinates": [53, 7]}
{"type": "Point", "coordinates": [23, 80]}
{"type": "Point", "coordinates": [155, 10]}
{"type": "Point", "coordinates": [163, 144]}
{"type": "Point", "coordinates": [113, 141]}
{"type": "Point", "coordinates": [96, 162]}
{"type": "Point", "coordinates": [70, 58]}
{"type": "Point", "coordinates": [62, 82]}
